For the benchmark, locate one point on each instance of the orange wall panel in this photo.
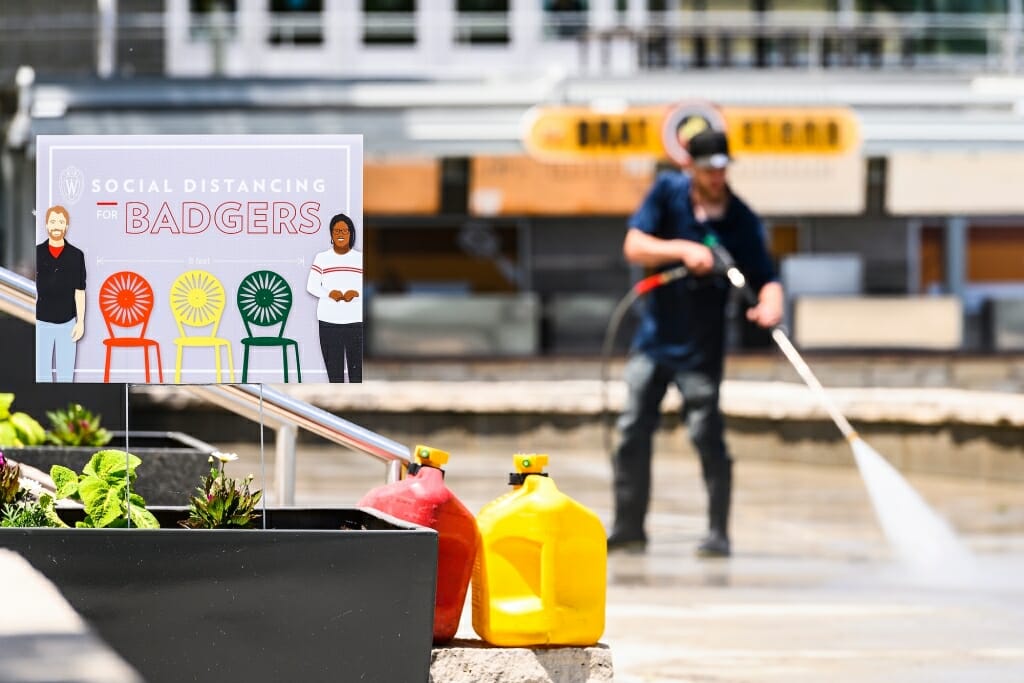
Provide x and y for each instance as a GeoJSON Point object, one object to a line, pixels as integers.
{"type": "Point", "coordinates": [402, 187]}
{"type": "Point", "coordinates": [995, 254]}
{"type": "Point", "coordinates": [519, 185]}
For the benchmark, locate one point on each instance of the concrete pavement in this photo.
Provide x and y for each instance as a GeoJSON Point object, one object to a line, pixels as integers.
{"type": "Point", "coordinates": [812, 593]}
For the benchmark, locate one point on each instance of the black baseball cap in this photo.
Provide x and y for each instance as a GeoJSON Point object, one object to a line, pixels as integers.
{"type": "Point", "coordinates": [709, 149]}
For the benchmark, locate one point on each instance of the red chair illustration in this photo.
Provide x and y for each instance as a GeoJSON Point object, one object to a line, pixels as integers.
{"type": "Point", "coordinates": [126, 301]}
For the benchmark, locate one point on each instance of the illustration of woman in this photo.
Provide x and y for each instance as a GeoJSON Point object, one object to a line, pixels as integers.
{"type": "Point", "coordinates": [336, 279]}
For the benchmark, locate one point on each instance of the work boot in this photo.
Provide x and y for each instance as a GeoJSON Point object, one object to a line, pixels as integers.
{"type": "Point", "coordinates": [714, 545]}
{"type": "Point", "coordinates": [718, 479]}
{"type": "Point", "coordinates": [627, 543]}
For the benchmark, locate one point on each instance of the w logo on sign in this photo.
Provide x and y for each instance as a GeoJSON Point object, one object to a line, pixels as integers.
{"type": "Point", "coordinates": [70, 183]}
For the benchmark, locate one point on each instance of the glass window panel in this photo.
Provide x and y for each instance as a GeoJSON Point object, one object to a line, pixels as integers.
{"type": "Point", "coordinates": [565, 18]}
{"type": "Point", "coordinates": [481, 22]}
{"type": "Point", "coordinates": [389, 22]}
{"type": "Point", "coordinates": [296, 22]}
{"type": "Point", "coordinates": [210, 18]}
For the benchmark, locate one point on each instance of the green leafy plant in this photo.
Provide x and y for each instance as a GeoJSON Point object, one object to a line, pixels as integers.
{"type": "Point", "coordinates": [31, 512]}
{"type": "Point", "coordinates": [76, 426]}
{"type": "Point", "coordinates": [222, 502]}
{"type": "Point", "coordinates": [18, 429]}
{"type": "Point", "coordinates": [103, 488]}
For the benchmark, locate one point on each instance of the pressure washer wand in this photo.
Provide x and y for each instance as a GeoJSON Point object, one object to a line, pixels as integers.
{"type": "Point", "coordinates": [778, 332]}
{"type": "Point", "coordinates": [723, 264]}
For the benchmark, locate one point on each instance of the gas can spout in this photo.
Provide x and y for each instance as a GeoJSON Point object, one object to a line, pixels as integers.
{"type": "Point", "coordinates": [425, 456]}
{"type": "Point", "coordinates": [527, 464]}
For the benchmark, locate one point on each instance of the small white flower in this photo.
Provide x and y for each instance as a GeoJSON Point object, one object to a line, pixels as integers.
{"type": "Point", "coordinates": [31, 486]}
{"type": "Point", "coordinates": [224, 457]}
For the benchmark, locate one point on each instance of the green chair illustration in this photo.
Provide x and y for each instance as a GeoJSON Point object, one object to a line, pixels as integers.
{"type": "Point", "coordinates": [197, 301]}
{"type": "Point", "coordinates": [265, 300]}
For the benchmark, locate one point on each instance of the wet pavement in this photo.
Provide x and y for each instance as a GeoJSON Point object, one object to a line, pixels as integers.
{"type": "Point", "coordinates": [812, 592]}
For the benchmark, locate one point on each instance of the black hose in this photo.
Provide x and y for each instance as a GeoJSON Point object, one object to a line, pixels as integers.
{"type": "Point", "coordinates": [611, 332]}
{"type": "Point", "coordinates": [724, 264]}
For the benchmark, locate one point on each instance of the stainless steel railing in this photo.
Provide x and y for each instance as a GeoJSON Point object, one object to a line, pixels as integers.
{"type": "Point", "coordinates": [286, 415]}
{"type": "Point", "coordinates": [17, 296]}
{"type": "Point", "coordinates": [275, 409]}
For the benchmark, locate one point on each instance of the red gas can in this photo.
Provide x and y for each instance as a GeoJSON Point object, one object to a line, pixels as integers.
{"type": "Point", "coordinates": [423, 498]}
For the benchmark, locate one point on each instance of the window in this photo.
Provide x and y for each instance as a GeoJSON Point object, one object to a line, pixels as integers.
{"type": "Point", "coordinates": [410, 256]}
{"type": "Point", "coordinates": [389, 22]}
{"type": "Point", "coordinates": [565, 18]}
{"type": "Point", "coordinates": [481, 21]}
{"type": "Point", "coordinates": [296, 22]}
{"type": "Point", "coordinates": [209, 19]}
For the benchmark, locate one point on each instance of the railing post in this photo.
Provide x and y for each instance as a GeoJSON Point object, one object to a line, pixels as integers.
{"type": "Point", "coordinates": [1011, 43]}
{"type": "Point", "coordinates": [106, 38]}
{"type": "Point", "coordinates": [218, 32]}
{"type": "Point", "coordinates": [394, 471]}
{"type": "Point", "coordinates": [284, 464]}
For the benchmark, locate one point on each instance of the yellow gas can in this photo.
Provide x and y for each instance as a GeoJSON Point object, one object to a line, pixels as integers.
{"type": "Point", "coordinates": [540, 576]}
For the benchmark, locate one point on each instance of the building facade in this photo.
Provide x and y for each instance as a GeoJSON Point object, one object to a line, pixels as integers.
{"type": "Point", "coordinates": [455, 207]}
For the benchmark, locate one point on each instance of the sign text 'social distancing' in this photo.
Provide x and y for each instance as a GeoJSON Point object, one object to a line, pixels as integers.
{"type": "Point", "coordinates": [199, 259]}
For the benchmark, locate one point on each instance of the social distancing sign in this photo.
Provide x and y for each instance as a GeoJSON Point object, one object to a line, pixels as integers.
{"type": "Point", "coordinates": [199, 259]}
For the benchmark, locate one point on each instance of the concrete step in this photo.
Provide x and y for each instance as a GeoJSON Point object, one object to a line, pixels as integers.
{"type": "Point", "coordinates": [43, 639]}
{"type": "Point", "coordinates": [473, 661]}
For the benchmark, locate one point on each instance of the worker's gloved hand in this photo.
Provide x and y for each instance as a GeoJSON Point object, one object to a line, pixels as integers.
{"type": "Point", "coordinates": [698, 258]}
{"type": "Point", "coordinates": [768, 311]}
{"type": "Point", "coordinates": [722, 258]}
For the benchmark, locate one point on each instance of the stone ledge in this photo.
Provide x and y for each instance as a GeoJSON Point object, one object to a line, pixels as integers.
{"type": "Point", "coordinates": [42, 638]}
{"type": "Point", "coordinates": [748, 399]}
{"type": "Point", "coordinates": [473, 661]}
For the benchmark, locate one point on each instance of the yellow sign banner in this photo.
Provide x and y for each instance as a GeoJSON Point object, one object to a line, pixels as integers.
{"type": "Point", "coordinates": [579, 133]}
{"type": "Point", "coordinates": [822, 131]}
{"type": "Point", "coordinates": [576, 133]}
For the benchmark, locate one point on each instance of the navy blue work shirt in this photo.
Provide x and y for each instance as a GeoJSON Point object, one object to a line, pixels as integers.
{"type": "Point", "coordinates": [683, 322]}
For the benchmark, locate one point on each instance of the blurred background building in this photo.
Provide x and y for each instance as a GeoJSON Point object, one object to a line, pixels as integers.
{"type": "Point", "coordinates": [473, 248]}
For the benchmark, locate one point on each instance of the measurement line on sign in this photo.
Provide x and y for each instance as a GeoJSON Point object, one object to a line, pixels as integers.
{"type": "Point", "coordinates": [104, 259]}
{"type": "Point", "coordinates": [299, 260]}
{"type": "Point", "coordinates": [106, 203]}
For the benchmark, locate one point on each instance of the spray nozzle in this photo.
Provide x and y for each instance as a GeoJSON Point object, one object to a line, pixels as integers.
{"type": "Point", "coordinates": [725, 265]}
{"type": "Point", "coordinates": [723, 259]}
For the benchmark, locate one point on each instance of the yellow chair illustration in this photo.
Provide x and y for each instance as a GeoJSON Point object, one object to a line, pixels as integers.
{"type": "Point", "coordinates": [197, 301]}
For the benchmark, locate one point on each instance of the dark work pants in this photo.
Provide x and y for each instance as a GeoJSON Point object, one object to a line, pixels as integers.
{"type": "Point", "coordinates": [341, 345]}
{"type": "Point", "coordinates": [647, 381]}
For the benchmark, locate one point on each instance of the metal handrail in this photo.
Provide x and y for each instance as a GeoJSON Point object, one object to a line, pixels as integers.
{"type": "Point", "coordinates": [17, 296]}
{"type": "Point", "coordinates": [281, 412]}
{"type": "Point", "coordinates": [286, 414]}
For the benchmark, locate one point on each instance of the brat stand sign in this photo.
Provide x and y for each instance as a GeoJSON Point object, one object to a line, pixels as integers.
{"type": "Point", "coordinates": [199, 259]}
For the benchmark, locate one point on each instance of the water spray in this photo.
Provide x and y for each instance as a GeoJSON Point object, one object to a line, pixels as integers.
{"type": "Point", "coordinates": [919, 536]}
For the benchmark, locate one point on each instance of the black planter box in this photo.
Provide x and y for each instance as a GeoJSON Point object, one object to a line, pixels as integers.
{"type": "Point", "coordinates": [173, 464]}
{"type": "Point", "coordinates": [333, 595]}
